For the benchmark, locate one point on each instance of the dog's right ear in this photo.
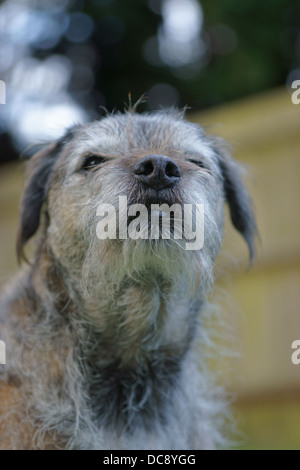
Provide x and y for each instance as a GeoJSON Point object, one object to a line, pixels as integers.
{"type": "Point", "coordinates": [39, 172]}
{"type": "Point", "coordinates": [237, 197]}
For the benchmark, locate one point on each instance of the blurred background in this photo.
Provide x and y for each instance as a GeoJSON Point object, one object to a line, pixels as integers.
{"type": "Point", "coordinates": [233, 65]}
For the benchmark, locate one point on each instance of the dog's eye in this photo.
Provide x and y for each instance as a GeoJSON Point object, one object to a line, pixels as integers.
{"type": "Point", "coordinates": [92, 161]}
{"type": "Point", "coordinates": [197, 162]}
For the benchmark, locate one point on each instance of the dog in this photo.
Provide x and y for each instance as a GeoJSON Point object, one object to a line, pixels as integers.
{"type": "Point", "coordinates": [104, 336]}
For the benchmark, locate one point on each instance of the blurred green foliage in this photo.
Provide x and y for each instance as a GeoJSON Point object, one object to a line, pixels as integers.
{"type": "Point", "coordinates": [267, 49]}
{"type": "Point", "coordinates": [195, 53]}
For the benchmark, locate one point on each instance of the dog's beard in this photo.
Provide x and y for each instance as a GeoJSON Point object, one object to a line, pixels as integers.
{"type": "Point", "coordinates": [109, 263]}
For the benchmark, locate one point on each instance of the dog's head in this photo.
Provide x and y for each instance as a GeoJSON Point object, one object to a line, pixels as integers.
{"type": "Point", "coordinates": [146, 159]}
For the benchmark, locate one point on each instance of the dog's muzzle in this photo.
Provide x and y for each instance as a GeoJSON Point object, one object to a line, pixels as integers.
{"type": "Point", "coordinates": [157, 180]}
{"type": "Point", "coordinates": [158, 172]}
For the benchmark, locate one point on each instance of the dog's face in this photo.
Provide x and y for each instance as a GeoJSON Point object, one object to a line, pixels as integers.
{"type": "Point", "coordinates": [150, 159]}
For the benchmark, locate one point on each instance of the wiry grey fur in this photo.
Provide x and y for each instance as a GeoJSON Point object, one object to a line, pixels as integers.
{"type": "Point", "coordinates": [105, 343]}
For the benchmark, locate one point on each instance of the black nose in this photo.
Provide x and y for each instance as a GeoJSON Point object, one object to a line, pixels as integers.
{"type": "Point", "coordinates": [157, 171]}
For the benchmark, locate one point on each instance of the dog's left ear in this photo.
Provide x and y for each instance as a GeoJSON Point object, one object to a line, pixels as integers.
{"type": "Point", "coordinates": [39, 172]}
{"type": "Point", "coordinates": [238, 199]}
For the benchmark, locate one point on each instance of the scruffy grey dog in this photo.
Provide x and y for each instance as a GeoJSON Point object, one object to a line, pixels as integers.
{"type": "Point", "coordinates": [104, 337]}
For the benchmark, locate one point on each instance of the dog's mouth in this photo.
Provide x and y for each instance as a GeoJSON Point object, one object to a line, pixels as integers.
{"type": "Point", "coordinates": [156, 212]}
{"type": "Point", "coordinates": [154, 221]}
{"type": "Point", "coordinates": [143, 215]}
{"type": "Point", "coordinates": [148, 196]}
{"type": "Point", "coordinates": [156, 217]}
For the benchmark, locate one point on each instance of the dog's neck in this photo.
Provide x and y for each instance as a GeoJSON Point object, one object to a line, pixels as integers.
{"type": "Point", "coordinates": [140, 337]}
{"type": "Point", "coordinates": [142, 318]}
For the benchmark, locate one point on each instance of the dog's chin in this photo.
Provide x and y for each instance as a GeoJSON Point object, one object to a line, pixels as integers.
{"type": "Point", "coordinates": [148, 253]}
{"type": "Point", "coordinates": [152, 259]}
